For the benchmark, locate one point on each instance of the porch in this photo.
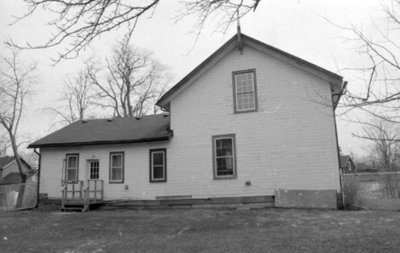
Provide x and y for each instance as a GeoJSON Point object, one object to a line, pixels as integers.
{"type": "Point", "coordinates": [81, 195]}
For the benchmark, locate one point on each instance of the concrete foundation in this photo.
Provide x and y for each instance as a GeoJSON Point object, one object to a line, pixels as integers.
{"type": "Point", "coordinates": [306, 198]}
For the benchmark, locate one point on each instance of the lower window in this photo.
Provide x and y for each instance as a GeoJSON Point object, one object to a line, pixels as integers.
{"type": "Point", "coordinates": [94, 169]}
{"type": "Point", "coordinates": [224, 156]}
{"type": "Point", "coordinates": [117, 167]}
{"type": "Point", "coordinates": [158, 165]}
{"type": "Point", "coordinates": [72, 166]}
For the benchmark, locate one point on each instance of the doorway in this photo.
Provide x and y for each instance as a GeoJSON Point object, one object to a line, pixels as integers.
{"type": "Point", "coordinates": [93, 169]}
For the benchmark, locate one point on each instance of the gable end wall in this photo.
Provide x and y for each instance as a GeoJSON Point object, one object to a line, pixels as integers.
{"type": "Point", "coordinates": [289, 143]}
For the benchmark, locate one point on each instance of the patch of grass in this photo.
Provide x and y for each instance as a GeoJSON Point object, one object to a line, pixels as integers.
{"type": "Point", "coordinates": [200, 230]}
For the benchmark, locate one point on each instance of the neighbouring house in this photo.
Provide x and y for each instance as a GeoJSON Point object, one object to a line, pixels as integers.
{"type": "Point", "coordinates": [250, 122]}
{"type": "Point", "coordinates": [347, 165]}
{"type": "Point", "coordinates": [9, 172]}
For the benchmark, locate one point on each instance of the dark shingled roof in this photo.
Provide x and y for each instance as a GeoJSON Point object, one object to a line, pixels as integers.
{"type": "Point", "coordinates": [15, 178]}
{"type": "Point", "coordinates": [109, 131]}
{"type": "Point", "coordinates": [5, 160]}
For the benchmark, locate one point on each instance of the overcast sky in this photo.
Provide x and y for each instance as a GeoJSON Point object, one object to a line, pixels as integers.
{"type": "Point", "coordinates": [295, 26]}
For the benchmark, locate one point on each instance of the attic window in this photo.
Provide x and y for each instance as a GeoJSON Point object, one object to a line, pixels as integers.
{"type": "Point", "coordinates": [245, 91]}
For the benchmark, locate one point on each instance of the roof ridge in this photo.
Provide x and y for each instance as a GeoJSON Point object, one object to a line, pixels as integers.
{"type": "Point", "coordinates": [122, 118]}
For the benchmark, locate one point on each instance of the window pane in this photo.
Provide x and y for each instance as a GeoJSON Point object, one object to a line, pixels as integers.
{"type": "Point", "coordinates": [158, 158]}
{"type": "Point", "coordinates": [94, 170]}
{"type": "Point", "coordinates": [116, 174]}
{"type": "Point", "coordinates": [221, 164]}
{"type": "Point", "coordinates": [158, 172]}
{"type": "Point", "coordinates": [244, 82]}
{"type": "Point", "coordinates": [116, 161]}
{"type": "Point", "coordinates": [71, 174]}
{"type": "Point", "coordinates": [224, 157]}
{"type": "Point", "coordinates": [225, 166]}
{"type": "Point", "coordinates": [245, 101]}
{"type": "Point", "coordinates": [72, 162]}
{"type": "Point", "coordinates": [224, 147]}
{"type": "Point", "coordinates": [245, 91]}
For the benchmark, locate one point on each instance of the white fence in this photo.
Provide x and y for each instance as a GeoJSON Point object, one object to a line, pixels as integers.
{"type": "Point", "coordinates": [18, 196]}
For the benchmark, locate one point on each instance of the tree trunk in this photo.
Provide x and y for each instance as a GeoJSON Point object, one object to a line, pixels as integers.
{"type": "Point", "coordinates": [17, 159]}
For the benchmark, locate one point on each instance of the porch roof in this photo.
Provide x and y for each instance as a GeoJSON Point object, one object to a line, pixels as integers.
{"type": "Point", "coordinates": [109, 131]}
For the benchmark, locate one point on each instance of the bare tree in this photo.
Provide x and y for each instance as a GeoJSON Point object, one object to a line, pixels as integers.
{"type": "Point", "coordinates": [15, 85]}
{"type": "Point", "coordinates": [385, 137]}
{"type": "Point", "coordinates": [4, 144]}
{"type": "Point", "coordinates": [380, 94]}
{"type": "Point", "coordinates": [76, 98]}
{"type": "Point", "coordinates": [133, 82]}
{"type": "Point", "coordinates": [78, 22]}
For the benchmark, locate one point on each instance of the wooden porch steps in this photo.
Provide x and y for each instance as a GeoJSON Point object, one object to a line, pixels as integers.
{"type": "Point", "coordinates": [76, 197]}
{"type": "Point", "coordinates": [76, 206]}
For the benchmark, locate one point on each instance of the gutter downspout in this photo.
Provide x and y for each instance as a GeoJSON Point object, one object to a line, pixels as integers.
{"type": "Point", "coordinates": [337, 141]}
{"type": "Point", "coordinates": [38, 184]}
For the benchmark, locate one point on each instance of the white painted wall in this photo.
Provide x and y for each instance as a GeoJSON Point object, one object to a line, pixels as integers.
{"type": "Point", "coordinates": [288, 144]}
{"type": "Point", "coordinates": [136, 170]}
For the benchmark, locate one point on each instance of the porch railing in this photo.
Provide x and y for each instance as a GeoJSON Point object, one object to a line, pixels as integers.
{"type": "Point", "coordinates": [77, 192]}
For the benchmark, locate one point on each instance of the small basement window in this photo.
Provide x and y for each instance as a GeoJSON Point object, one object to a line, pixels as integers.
{"type": "Point", "coordinates": [117, 167]}
{"type": "Point", "coordinates": [224, 156]}
{"type": "Point", "coordinates": [158, 165]}
{"type": "Point", "coordinates": [245, 91]}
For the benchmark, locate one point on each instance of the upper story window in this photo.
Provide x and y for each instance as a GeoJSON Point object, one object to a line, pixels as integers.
{"type": "Point", "coordinates": [117, 167]}
{"type": "Point", "coordinates": [158, 165]}
{"type": "Point", "coordinates": [245, 90]}
{"type": "Point", "coordinates": [224, 156]}
{"type": "Point", "coordinates": [72, 166]}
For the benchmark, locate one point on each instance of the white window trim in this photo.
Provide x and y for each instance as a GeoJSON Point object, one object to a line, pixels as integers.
{"type": "Point", "coordinates": [223, 137]}
{"type": "Point", "coordinates": [164, 178]}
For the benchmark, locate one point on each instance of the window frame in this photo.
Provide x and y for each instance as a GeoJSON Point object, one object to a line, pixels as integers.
{"type": "Point", "coordinates": [214, 155]}
{"type": "Point", "coordinates": [90, 169]}
{"type": "Point", "coordinates": [77, 167]}
{"type": "Point", "coordinates": [111, 181]}
{"type": "Point", "coordinates": [235, 105]}
{"type": "Point", "coordinates": [151, 172]}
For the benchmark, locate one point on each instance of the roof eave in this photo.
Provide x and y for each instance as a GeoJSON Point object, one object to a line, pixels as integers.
{"type": "Point", "coordinates": [91, 143]}
{"type": "Point", "coordinates": [165, 99]}
{"type": "Point", "coordinates": [339, 95]}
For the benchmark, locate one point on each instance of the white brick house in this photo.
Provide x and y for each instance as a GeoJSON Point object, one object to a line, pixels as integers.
{"type": "Point", "coordinates": [250, 120]}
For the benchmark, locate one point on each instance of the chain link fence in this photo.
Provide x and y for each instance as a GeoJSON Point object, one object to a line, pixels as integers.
{"type": "Point", "coordinates": [18, 196]}
{"type": "Point", "coordinates": [379, 190]}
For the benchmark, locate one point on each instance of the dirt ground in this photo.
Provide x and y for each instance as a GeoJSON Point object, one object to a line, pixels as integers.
{"type": "Point", "coordinates": [200, 230]}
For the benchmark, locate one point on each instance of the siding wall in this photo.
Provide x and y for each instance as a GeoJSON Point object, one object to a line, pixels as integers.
{"type": "Point", "coordinates": [136, 170]}
{"type": "Point", "coordinates": [288, 144]}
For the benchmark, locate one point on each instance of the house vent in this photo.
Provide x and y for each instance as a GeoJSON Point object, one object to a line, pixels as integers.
{"type": "Point", "coordinates": [109, 120]}
{"type": "Point", "coordinates": [165, 115]}
{"type": "Point", "coordinates": [138, 118]}
{"type": "Point", "coordinates": [84, 121]}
